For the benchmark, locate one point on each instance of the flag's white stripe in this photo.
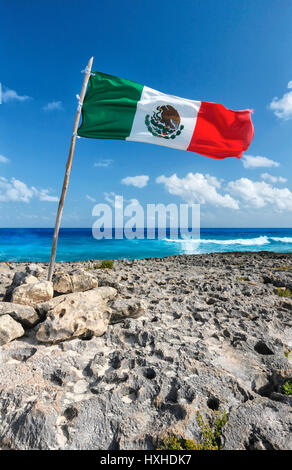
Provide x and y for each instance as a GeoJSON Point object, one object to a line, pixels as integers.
{"type": "Point", "coordinates": [150, 100]}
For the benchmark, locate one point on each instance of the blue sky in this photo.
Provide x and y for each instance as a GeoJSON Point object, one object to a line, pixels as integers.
{"type": "Point", "coordinates": [232, 52]}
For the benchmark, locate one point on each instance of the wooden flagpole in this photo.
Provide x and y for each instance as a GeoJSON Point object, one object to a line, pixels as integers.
{"type": "Point", "coordinates": [68, 169]}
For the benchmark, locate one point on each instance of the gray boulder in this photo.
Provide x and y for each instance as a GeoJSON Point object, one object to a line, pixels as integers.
{"type": "Point", "coordinates": [79, 314]}
{"type": "Point", "coordinates": [76, 281]}
{"type": "Point", "coordinates": [19, 278]}
{"type": "Point", "coordinates": [33, 293]}
{"type": "Point", "coordinates": [125, 308]}
{"type": "Point", "coordinates": [9, 329]}
{"type": "Point", "coordinates": [24, 314]}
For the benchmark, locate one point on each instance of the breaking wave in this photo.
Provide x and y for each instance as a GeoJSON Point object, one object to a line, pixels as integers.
{"type": "Point", "coordinates": [263, 240]}
{"type": "Point", "coordinates": [239, 241]}
{"type": "Point", "coordinates": [282, 239]}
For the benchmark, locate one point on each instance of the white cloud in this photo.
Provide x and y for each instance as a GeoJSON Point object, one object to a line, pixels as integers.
{"type": "Point", "coordinates": [257, 162]}
{"type": "Point", "coordinates": [3, 159]}
{"type": "Point", "coordinates": [53, 106]}
{"type": "Point", "coordinates": [44, 195]}
{"type": "Point", "coordinates": [198, 188]}
{"type": "Point", "coordinates": [117, 201]}
{"type": "Point", "coordinates": [14, 190]}
{"type": "Point", "coordinates": [139, 181]}
{"type": "Point", "coordinates": [103, 163]}
{"type": "Point", "coordinates": [273, 179]}
{"type": "Point", "coordinates": [242, 193]}
{"type": "Point", "coordinates": [11, 95]}
{"type": "Point", "coordinates": [282, 107]}
{"type": "Point", "coordinates": [258, 194]}
{"type": "Point", "coordinates": [91, 199]}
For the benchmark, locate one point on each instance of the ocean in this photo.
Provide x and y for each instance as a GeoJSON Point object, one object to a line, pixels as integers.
{"type": "Point", "coordinates": [78, 244]}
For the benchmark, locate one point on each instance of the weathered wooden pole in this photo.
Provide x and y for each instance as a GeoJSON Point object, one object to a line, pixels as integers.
{"type": "Point", "coordinates": [68, 169]}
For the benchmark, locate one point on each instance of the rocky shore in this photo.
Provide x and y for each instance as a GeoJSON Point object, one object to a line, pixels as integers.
{"type": "Point", "coordinates": [118, 357]}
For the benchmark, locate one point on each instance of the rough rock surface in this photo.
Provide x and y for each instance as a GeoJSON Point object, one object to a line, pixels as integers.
{"type": "Point", "coordinates": [6, 276]}
{"type": "Point", "coordinates": [126, 308]}
{"type": "Point", "coordinates": [35, 270]}
{"type": "Point", "coordinates": [9, 329]}
{"type": "Point", "coordinates": [80, 314]}
{"type": "Point", "coordinates": [253, 426]}
{"type": "Point", "coordinates": [19, 278]}
{"type": "Point", "coordinates": [32, 293]}
{"type": "Point", "coordinates": [24, 314]}
{"type": "Point", "coordinates": [215, 334]}
{"type": "Point", "coordinates": [77, 281]}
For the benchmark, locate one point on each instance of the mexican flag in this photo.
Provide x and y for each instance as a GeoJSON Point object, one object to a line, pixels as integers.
{"type": "Point", "coordinates": [115, 108]}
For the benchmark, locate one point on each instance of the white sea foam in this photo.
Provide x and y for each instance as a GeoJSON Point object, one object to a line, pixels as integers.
{"type": "Point", "coordinates": [263, 240]}
{"type": "Point", "coordinates": [282, 239]}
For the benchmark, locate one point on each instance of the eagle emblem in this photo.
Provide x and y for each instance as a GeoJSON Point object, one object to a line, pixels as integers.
{"type": "Point", "coordinates": [164, 122]}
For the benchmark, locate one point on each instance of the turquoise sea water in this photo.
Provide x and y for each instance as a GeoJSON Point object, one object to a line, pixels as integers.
{"type": "Point", "coordinates": [78, 244]}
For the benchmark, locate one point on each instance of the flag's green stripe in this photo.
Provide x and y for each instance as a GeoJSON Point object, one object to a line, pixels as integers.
{"type": "Point", "coordinates": [109, 107]}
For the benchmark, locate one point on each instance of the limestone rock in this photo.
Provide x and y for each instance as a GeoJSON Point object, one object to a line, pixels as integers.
{"type": "Point", "coordinates": [35, 270]}
{"type": "Point", "coordinates": [30, 279]}
{"type": "Point", "coordinates": [9, 329]}
{"type": "Point", "coordinates": [76, 281]}
{"type": "Point", "coordinates": [23, 278]}
{"type": "Point", "coordinates": [23, 354]}
{"type": "Point", "coordinates": [261, 424]}
{"type": "Point", "coordinates": [149, 376]}
{"type": "Point", "coordinates": [125, 308]}
{"type": "Point", "coordinates": [33, 293]}
{"type": "Point", "coordinates": [79, 314]}
{"type": "Point", "coordinates": [6, 275]}
{"type": "Point", "coordinates": [24, 314]}
{"type": "Point", "coordinates": [19, 278]}
{"type": "Point", "coordinates": [287, 304]}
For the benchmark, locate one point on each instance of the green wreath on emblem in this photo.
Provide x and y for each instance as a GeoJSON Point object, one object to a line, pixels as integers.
{"type": "Point", "coordinates": [164, 122]}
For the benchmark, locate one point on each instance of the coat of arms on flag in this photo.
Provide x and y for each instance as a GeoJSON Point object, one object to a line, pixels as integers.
{"type": "Point", "coordinates": [164, 122]}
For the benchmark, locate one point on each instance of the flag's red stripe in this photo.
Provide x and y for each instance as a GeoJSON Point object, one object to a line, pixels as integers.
{"type": "Point", "coordinates": [220, 132]}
